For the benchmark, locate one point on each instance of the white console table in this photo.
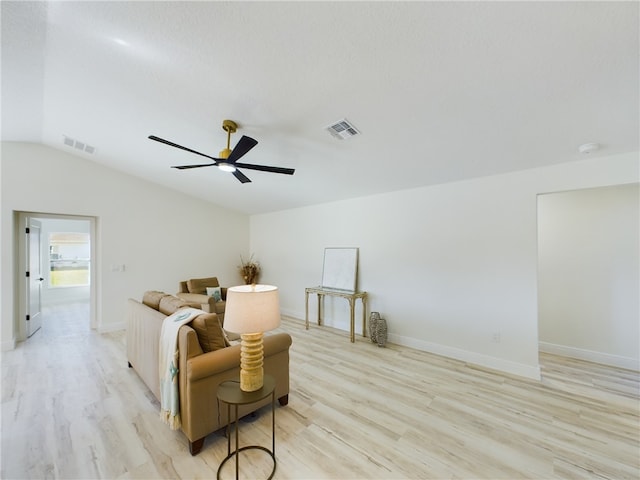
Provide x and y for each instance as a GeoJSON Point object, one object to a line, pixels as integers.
{"type": "Point", "coordinates": [350, 296]}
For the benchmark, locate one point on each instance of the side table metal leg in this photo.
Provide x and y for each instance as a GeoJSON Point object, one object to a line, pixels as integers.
{"type": "Point", "coordinates": [237, 446]}
{"type": "Point", "coordinates": [273, 425]}
{"type": "Point", "coordinates": [228, 429]}
{"type": "Point", "coordinates": [306, 310]}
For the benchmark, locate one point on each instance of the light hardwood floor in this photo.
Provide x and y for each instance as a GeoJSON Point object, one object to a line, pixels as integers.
{"type": "Point", "coordinates": [72, 409]}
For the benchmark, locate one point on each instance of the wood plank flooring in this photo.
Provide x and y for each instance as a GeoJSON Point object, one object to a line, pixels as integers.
{"type": "Point", "coordinates": [72, 409]}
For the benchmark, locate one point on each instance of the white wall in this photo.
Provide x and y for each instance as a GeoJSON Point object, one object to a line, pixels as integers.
{"type": "Point", "coordinates": [160, 235]}
{"type": "Point", "coordinates": [449, 266]}
{"type": "Point", "coordinates": [589, 274]}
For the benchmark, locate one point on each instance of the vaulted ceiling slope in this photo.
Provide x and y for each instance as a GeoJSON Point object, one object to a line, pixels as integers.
{"type": "Point", "coordinates": [440, 91]}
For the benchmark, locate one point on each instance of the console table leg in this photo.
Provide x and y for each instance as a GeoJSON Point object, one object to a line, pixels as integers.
{"type": "Point", "coordinates": [350, 296]}
{"type": "Point", "coordinates": [352, 308]}
{"type": "Point", "coordinates": [320, 307]}
{"type": "Point", "coordinates": [364, 317]}
{"type": "Point", "coordinates": [306, 310]}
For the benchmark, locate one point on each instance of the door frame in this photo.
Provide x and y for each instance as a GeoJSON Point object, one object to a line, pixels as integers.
{"type": "Point", "coordinates": [22, 259]}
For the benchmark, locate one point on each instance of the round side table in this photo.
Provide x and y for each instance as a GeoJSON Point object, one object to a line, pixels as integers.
{"type": "Point", "coordinates": [229, 392]}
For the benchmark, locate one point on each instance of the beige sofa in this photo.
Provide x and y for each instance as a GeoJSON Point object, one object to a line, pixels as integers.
{"type": "Point", "coordinates": [201, 369]}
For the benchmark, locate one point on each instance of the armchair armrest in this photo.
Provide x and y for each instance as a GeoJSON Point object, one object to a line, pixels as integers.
{"type": "Point", "coordinates": [207, 303]}
{"type": "Point", "coordinates": [213, 363]}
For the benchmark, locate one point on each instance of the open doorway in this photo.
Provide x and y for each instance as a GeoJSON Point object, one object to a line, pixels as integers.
{"type": "Point", "coordinates": [59, 256]}
{"type": "Point", "coordinates": [588, 274]}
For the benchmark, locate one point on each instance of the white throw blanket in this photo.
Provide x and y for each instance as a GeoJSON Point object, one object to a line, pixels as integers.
{"type": "Point", "coordinates": [168, 365]}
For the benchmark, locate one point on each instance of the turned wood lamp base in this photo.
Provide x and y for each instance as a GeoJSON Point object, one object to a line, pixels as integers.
{"type": "Point", "coordinates": [250, 311]}
{"type": "Point", "coordinates": [251, 361]}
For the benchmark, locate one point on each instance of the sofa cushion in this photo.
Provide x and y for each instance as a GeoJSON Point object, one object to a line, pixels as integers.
{"type": "Point", "coordinates": [169, 304]}
{"type": "Point", "coordinates": [152, 298]}
{"type": "Point", "coordinates": [199, 285]}
{"type": "Point", "coordinates": [210, 333]}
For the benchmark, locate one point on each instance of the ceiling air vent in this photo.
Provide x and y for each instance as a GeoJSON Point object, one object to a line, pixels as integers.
{"type": "Point", "coordinates": [342, 129]}
{"type": "Point", "coordinates": [70, 142]}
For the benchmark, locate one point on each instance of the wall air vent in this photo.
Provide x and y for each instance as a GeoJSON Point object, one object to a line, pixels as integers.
{"type": "Point", "coordinates": [70, 142]}
{"type": "Point", "coordinates": [342, 129]}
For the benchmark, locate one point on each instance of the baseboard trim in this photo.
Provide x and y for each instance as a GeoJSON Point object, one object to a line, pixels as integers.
{"type": "Point", "coordinates": [8, 345]}
{"type": "Point", "coordinates": [591, 356]}
{"type": "Point", "coordinates": [478, 359]}
{"type": "Point", "coordinates": [112, 327]}
{"type": "Point", "coordinates": [475, 358]}
{"type": "Point", "coordinates": [291, 314]}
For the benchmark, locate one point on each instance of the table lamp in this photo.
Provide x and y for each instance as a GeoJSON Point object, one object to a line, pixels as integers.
{"type": "Point", "coordinates": [250, 311]}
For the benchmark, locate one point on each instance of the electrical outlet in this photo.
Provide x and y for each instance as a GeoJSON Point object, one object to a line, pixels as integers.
{"type": "Point", "coordinates": [495, 338]}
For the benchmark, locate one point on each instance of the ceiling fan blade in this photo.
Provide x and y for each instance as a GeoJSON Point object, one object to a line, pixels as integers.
{"type": "Point", "coordinates": [266, 168]}
{"type": "Point", "coordinates": [184, 167]}
{"type": "Point", "coordinates": [171, 144]}
{"type": "Point", "coordinates": [242, 147]}
{"type": "Point", "coordinates": [241, 176]}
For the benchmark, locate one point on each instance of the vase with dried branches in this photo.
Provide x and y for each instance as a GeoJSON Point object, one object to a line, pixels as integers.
{"type": "Point", "coordinates": [249, 270]}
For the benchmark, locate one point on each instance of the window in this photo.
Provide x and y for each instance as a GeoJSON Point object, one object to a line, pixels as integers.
{"type": "Point", "coordinates": [69, 255]}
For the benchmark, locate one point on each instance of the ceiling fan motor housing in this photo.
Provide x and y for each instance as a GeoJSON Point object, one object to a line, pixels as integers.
{"type": "Point", "coordinates": [229, 126]}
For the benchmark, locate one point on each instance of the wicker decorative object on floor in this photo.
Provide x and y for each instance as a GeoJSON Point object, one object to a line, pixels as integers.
{"type": "Point", "coordinates": [373, 324]}
{"type": "Point", "coordinates": [377, 329]}
{"type": "Point", "coordinates": [381, 332]}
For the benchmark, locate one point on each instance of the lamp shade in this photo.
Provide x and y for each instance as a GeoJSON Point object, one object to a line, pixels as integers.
{"type": "Point", "coordinates": [252, 309]}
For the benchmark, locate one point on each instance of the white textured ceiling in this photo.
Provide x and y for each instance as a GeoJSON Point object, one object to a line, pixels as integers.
{"type": "Point", "coordinates": [441, 91]}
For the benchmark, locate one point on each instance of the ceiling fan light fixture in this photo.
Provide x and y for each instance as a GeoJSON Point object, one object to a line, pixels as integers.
{"type": "Point", "coordinates": [226, 167]}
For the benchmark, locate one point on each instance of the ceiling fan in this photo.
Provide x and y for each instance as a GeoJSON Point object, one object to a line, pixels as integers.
{"type": "Point", "coordinates": [228, 161]}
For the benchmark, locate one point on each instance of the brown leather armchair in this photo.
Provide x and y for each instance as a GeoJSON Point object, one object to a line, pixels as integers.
{"type": "Point", "coordinates": [195, 291]}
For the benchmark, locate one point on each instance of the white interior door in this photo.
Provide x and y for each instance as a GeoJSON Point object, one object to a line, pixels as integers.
{"type": "Point", "coordinates": [34, 276]}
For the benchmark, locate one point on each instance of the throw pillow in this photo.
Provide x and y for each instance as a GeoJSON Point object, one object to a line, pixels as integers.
{"type": "Point", "coordinates": [199, 285]}
{"type": "Point", "coordinates": [215, 292]}
{"type": "Point", "coordinates": [209, 331]}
